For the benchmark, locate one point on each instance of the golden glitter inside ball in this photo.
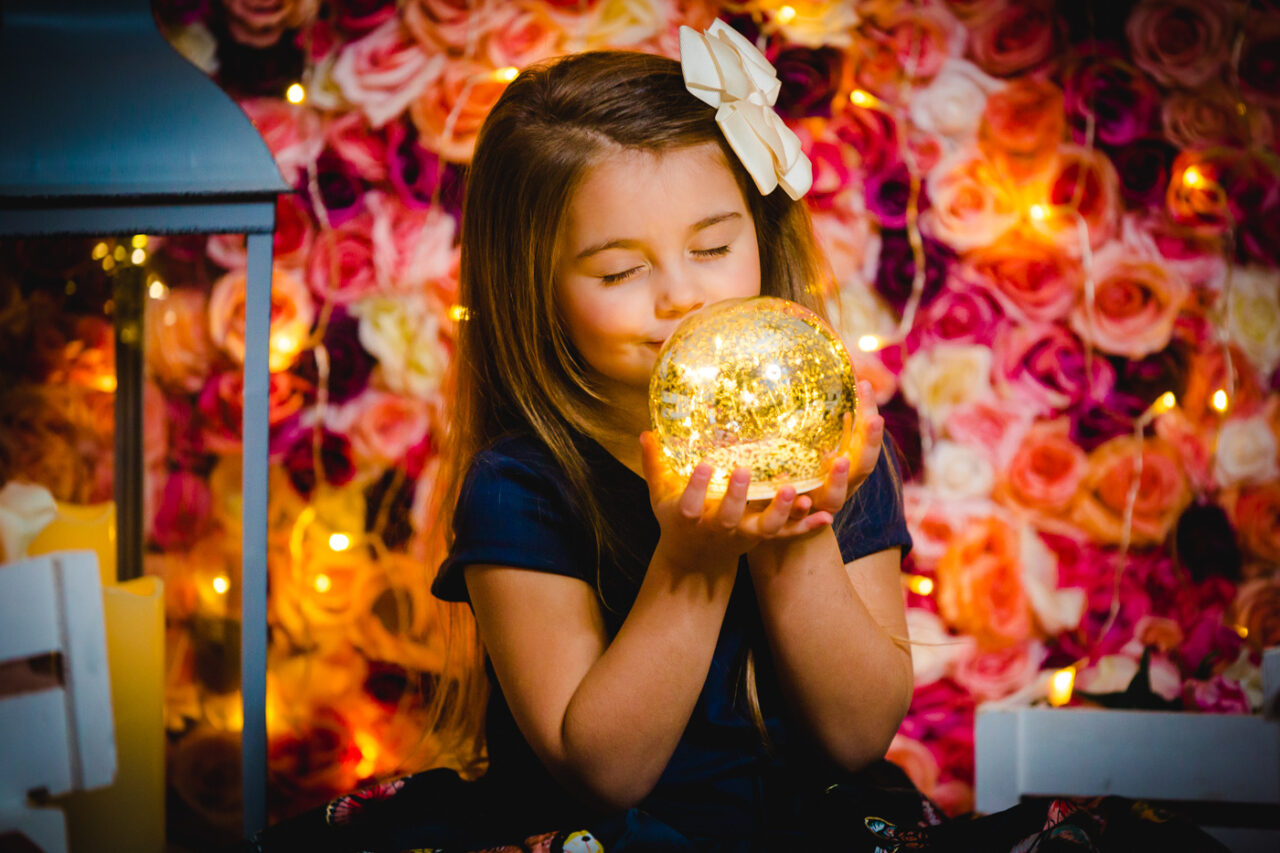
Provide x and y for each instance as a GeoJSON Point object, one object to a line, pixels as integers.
{"type": "Point", "coordinates": [761, 383]}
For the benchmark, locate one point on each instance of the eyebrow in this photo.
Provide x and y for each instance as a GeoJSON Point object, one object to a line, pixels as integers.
{"type": "Point", "coordinates": [619, 243]}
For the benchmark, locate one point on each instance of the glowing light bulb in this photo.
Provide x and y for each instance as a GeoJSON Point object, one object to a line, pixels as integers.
{"type": "Point", "coordinates": [1220, 400]}
{"type": "Point", "coordinates": [868, 343]}
{"type": "Point", "coordinates": [786, 14]}
{"type": "Point", "coordinates": [105, 382]}
{"type": "Point", "coordinates": [221, 584]}
{"type": "Point", "coordinates": [139, 241]}
{"type": "Point", "coordinates": [369, 748]}
{"type": "Point", "coordinates": [100, 251]}
{"type": "Point", "coordinates": [138, 256]}
{"type": "Point", "coordinates": [1039, 212]}
{"type": "Point", "coordinates": [1060, 687]}
{"type": "Point", "coordinates": [458, 313]}
{"type": "Point", "coordinates": [295, 94]}
{"type": "Point", "coordinates": [861, 98]}
{"type": "Point", "coordinates": [119, 253]}
{"type": "Point", "coordinates": [322, 583]}
{"type": "Point", "coordinates": [506, 75]}
{"type": "Point", "coordinates": [284, 344]}
{"type": "Point", "coordinates": [919, 584]}
{"type": "Point", "coordinates": [158, 290]}
{"type": "Point", "coordinates": [1164, 403]}
{"type": "Point", "coordinates": [339, 542]}
{"type": "Point", "coordinates": [1192, 177]}
{"type": "Point", "coordinates": [1242, 631]}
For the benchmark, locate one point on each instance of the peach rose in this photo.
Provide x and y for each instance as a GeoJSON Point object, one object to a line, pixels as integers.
{"type": "Point", "coordinates": [1162, 493]}
{"type": "Point", "coordinates": [449, 113]}
{"type": "Point", "coordinates": [921, 37]}
{"type": "Point", "coordinates": [1193, 444]}
{"type": "Point", "coordinates": [971, 204]}
{"type": "Point", "coordinates": [1179, 42]}
{"type": "Point", "coordinates": [937, 380]}
{"type": "Point", "coordinates": [341, 268]}
{"type": "Point", "coordinates": [1159, 631]}
{"type": "Point", "coordinates": [1255, 510]}
{"type": "Point", "coordinates": [1033, 279]}
{"type": "Point", "coordinates": [293, 133]}
{"type": "Point", "coordinates": [179, 350]}
{"type": "Point", "coordinates": [1045, 473]}
{"type": "Point", "coordinates": [525, 33]}
{"type": "Point", "coordinates": [385, 70]}
{"type": "Point", "coordinates": [980, 589]}
{"type": "Point", "coordinates": [916, 760]}
{"type": "Point", "coordinates": [1246, 451]}
{"type": "Point", "coordinates": [360, 147]}
{"type": "Point", "coordinates": [292, 313]}
{"type": "Point", "coordinates": [951, 106]}
{"type": "Point", "coordinates": [996, 425]}
{"type": "Point", "coordinates": [1257, 610]}
{"type": "Point", "coordinates": [382, 426]}
{"type": "Point", "coordinates": [934, 522]}
{"type": "Point", "coordinates": [1017, 38]}
{"type": "Point", "coordinates": [1023, 122]}
{"type": "Point", "coordinates": [1199, 261]}
{"type": "Point", "coordinates": [994, 674]}
{"type": "Point", "coordinates": [1137, 300]}
{"type": "Point", "coordinates": [620, 23]}
{"type": "Point", "coordinates": [450, 27]}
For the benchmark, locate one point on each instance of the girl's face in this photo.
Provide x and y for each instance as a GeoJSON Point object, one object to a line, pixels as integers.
{"type": "Point", "coordinates": [648, 239]}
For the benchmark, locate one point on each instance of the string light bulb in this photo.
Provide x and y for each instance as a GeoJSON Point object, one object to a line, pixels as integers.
{"type": "Point", "coordinates": [1038, 212]}
{"type": "Point", "coordinates": [339, 542]}
{"type": "Point", "coordinates": [1060, 686]}
{"type": "Point", "coordinates": [139, 241]}
{"type": "Point", "coordinates": [100, 251]}
{"type": "Point", "coordinates": [1219, 400]}
{"type": "Point", "coordinates": [295, 94]}
{"type": "Point", "coordinates": [1192, 177]}
{"type": "Point", "coordinates": [138, 256]}
{"type": "Point", "coordinates": [221, 584]}
{"type": "Point", "coordinates": [869, 343]}
{"type": "Point", "coordinates": [862, 98]}
{"type": "Point", "coordinates": [786, 15]}
{"type": "Point", "coordinates": [158, 290]}
{"type": "Point", "coordinates": [506, 75]}
{"type": "Point", "coordinates": [919, 584]}
{"type": "Point", "coordinates": [1164, 403]}
{"type": "Point", "coordinates": [322, 583]}
{"type": "Point", "coordinates": [458, 313]}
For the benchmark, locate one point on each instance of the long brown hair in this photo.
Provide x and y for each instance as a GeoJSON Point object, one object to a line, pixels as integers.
{"type": "Point", "coordinates": [515, 368]}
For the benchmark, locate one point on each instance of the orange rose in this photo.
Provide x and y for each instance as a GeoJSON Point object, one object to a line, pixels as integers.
{"type": "Point", "coordinates": [1046, 471]}
{"type": "Point", "coordinates": [1256, 513]}
{"type": "Point", "coordinates": [449, 113]}
{"type": "Point", "coordinates": [1025, 120]}
{"type": "Point", "coordinates": [1136, 301]}
{"type": "Point", "coordinates": [1163, 492]}
{"type": "Point", "coordinates": [1257, 609]}
{"type": "Point", "coordinates": [1033, 279]}
{"type": "Point", "coordinates": [980, 589]}
{"type": "Point", "coordinates": [292, 312]}
{"type": "Point", "coordinates": [1159, 631]}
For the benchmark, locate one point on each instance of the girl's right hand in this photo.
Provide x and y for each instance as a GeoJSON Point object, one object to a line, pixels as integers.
{"type": "Point", "coordinates": [699, 531]}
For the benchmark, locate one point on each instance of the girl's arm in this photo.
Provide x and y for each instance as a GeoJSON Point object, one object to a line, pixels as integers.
{"type": "Point", "coordinates": [605, 716]}
{"type": "Point", "coordinates": [831, 626]}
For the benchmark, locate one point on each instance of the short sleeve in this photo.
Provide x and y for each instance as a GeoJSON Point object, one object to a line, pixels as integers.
{"type": "Point", "coordinates": [873, 519]}
{"type": "Point", "coordinates": [511, 511]}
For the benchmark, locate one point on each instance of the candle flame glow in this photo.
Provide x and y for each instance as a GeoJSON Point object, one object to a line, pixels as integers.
{"type": "Point", "coordinates": [1060, 687]}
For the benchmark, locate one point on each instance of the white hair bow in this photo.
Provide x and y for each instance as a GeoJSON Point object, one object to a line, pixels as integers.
{"type": "Point", "coordinates": [726, 71]}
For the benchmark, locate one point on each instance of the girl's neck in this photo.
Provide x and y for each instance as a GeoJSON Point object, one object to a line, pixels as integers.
{"type": "Point", "coordinates": [621, 428]}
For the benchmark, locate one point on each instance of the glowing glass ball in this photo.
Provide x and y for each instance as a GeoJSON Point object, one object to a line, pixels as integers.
{"type": "Point", "coordinates": [760, 383]}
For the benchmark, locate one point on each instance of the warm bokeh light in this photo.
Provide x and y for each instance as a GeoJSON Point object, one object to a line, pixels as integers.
{"type": "Point", "coordinates": [105, 382]}
{"type": "Point", "coordinates": [1192, 177]}
{"type": "Point", "coordinates": [919, 584]}
{"type": "Point", "coordinates": [1060, 687]}
{"type": "Point", "coordinates": [369, 748]}
{"type": "Point", "coordinates": [506, 75]}
{"type": "Point", "coordinates": [458, 313]}
{"type": "Point", "coordinates": [322, 583]}
{"type": "Point", "coordinates": [158, 290]}
{"type": "Point", "coordinates": [1242, 631]}
{"type": "Point", "coordinates": [139, 241]}
{"type": "Point", "coordinates": [868, 343]}
{"type": "Point", "coordinates": [1220, 401]}
{"type": "Point", "coordinates": [295, 94]}
{"type": "Point", "coordinates": [861, 98]}
{"type": "Point", "coordinates": [1039, 212]}
{"type": "Point", "coordinates": [221, 584]}
{"type": "Point", "coordinates": [339, 542]}
{"type": "Point", "coordinates": [100, 251]}
{"type": "Point", "coordinates": [1164, 403]}
{"type": "Point", "coordinates": [138, 256]}
{"type": "Point", "coordinates": [786, 14]}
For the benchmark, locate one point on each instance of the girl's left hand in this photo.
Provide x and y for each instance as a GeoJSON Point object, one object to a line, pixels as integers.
{"type": "Point", "coordinates": [854, 458]}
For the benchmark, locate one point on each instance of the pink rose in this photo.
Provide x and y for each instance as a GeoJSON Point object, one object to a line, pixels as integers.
{"type": "Point", "coordinates": [292, 133]}
{"type": "Point", "coordinates": [1022, 123]}
{"type": "Point", "coordinates": [221, 406]}
{"type": "Point", "coordinates": [1015, 39]}
{"type": "Point", "coordinates": [994, 674]}
{"type": "Point", "coordinates": [1032, 278]}
{"type": "Point", "coordinates": [836, 178]}
{"type": "Point", "coordinates": [1193, 444]}
{"type": "Point", "coordinates": [410, 247]}
{"type": "Point", "coordinates": [921, 38]}
{"type": "Point", "coordinates": [183, 513]}
{"type": "Point", "coordinates": [1217, 695]}
{"type": "Point", "coordinates": [1179, 42]}
{"type": "Point", "coordinates": [1104, 492]}
{"type": "Point", "coordinates": [998, 426]}
{"type": "Point", "coordinates": [524, 33]}
{"type": "Point", "coordinates": [873, 134]}
{"type": "Point", "coordinates": [292, 313]}
{"type": "Point", "coordinates": [1046, 472]}
{"type": "Point", "coordinates": [972, 206]}
{"type": "Point", "coordinates": [363, 149]}
{"type": "Point", "coordinates": [980, 589]}
{"type": "Point", "coordinates": [382, 427]}
{"type": "Point", "coordinates": [935, 523]}
{"type": "Point", "coordinates": [1136, 302]}
{"type": "Point", "coordinates": [1196, 259]}
{"type": "Point", "coordinates": [445, 26]}
{"type": "Point", "coordinates": [450, 111]}
{"type": "Point", "coordinates": [179, 350]}
{"type": "Point", "coordinates": [341, 267]}
{"type": "Point", "coordinates": [960, 315]}
{"type": "Point", "coordinates": [384, 71]}
{"type": "Point", "coordinates": [1044, 366]}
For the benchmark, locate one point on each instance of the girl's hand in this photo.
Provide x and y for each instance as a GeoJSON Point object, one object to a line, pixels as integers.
{"type": "Point", "coordinates": [699, 530]}
{"type": "Point", "coordinates": [854, 458]}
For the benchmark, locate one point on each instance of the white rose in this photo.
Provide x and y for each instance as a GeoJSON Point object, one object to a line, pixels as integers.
{"type": "Point", "coordinates": [1056, 610]}
{"type": "Point", "coordinates": [956, 470]}
{"type": "Point", "coordinates": [1253, 315]}
{"type": "Point", "coordinates": [936, 380]}
{"type": "Point", "coordinates": [1246, 452]}
{"type": "Point", "coordinates": [404, 335]}
{"type": "Point", "coordinates": [951, 105]}
{"type": "Point", "coordinates": [25, 510]}
{"type": "Point", "coordinates": [197, 44]}
{"type": "Point", "coordinates": [934, 650]}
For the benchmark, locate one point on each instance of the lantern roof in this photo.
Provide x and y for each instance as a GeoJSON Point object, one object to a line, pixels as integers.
{"type": "Point", "coordinates": [100, 106]}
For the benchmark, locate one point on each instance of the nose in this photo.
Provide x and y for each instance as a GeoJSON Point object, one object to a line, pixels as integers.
{"type": "Point", "coordinates": [677, 293]}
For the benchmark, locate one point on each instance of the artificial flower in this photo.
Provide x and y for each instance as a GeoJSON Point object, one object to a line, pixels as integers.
{"type": "Point", "coordinates": [934, 650]}
{"type": "Point", "coordinates": [1045, 473]}
{"type": "Point", "coordinates": [385, 70]}
{"type": "Point", "coordinates": [943, 377]}
{"type": "Point", "coordinates": [814, 23]}
{"type": "Point", "coordinates": [1161, 495]}
{"type": "Point", "coordinates": [1179, 42]}
{"type": "Point", "coordinates": [980, 590]}
{"type": "Point", "coordinates": [1246, 451]}
{"type": "Point", "coordinates": [1110, 99]}
{"type": "Point", "coordinates": [448, 114]}
{"type": "Point", "coordinates": [1047, 368]}
{"type": "Point", "coordinates": [292, 313]}
{"type": "Point", "coordinates": [995, 424]}
{"type": "Point", "coordinates": [991, 674]}
{"type": "Point", "coordinates": [340, 269]}
{"type": "Point", "coordinates": [1015, 38]}
{"type": "Point", "coordinates": [971, 204]}
{"type": "Point", "coordinates": [405, 336]}
{"type": "Point", "coordinates": [915, 759]}
{"type": "Point", "coordinates": [958, 471]}
{"type": "Point", "coordinates": [25, 510]}
{"type": "Point", "coordinates": [179, 350]}
{"type": "Point", "coordinates": [952, 105]}
{"type": "Point", "coordinates": [1253, 316]}
{"type": "Point", "coordinates": [960, 315]}
{"type": "Point", "coordinates": [1257, 611]}
{"type": "Point", "coordinates": [1136, 301]}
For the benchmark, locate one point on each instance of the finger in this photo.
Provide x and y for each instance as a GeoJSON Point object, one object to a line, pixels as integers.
{"type": "Point", "coordinates": [694, 497]}
{"type": "Point", "coordinates": [802, 506]}
{"type": "Point", "coordinates": [808, 524]}
{"type": "Point", "coordinates": [651, 465]}
{"type": "Point", "coordinates": [734, 502]}
{"type": "Point", "coordinates": [777, 513]}
{"type": "Point", "coordinates": [831, 494]}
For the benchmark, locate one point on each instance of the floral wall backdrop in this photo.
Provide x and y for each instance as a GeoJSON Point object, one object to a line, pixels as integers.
{"type": "Point", "coordinates": [1054, 230]}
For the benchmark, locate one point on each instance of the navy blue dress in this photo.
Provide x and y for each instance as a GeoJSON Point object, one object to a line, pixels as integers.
{"type": "Point", "coordinates": [722, 784]}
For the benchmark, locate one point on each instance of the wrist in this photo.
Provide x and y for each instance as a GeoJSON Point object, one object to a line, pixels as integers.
{"type": "Point", "coordinates": [676, 559]}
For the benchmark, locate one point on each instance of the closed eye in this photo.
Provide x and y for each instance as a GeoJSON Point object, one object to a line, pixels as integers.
{"type": "Point", "coordinates": [615, 278]}
{"type": "Point", "coordinates": [717, 252]}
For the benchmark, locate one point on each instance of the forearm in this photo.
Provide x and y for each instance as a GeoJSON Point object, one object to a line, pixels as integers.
{"type": "Point", "coordinates": [847, 679]}
{"type": "Point", "coordinates": [626, 716]}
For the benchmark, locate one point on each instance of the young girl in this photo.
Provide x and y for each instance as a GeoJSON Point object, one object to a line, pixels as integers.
{"type": "Point", "coordinates": [667, 670]}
